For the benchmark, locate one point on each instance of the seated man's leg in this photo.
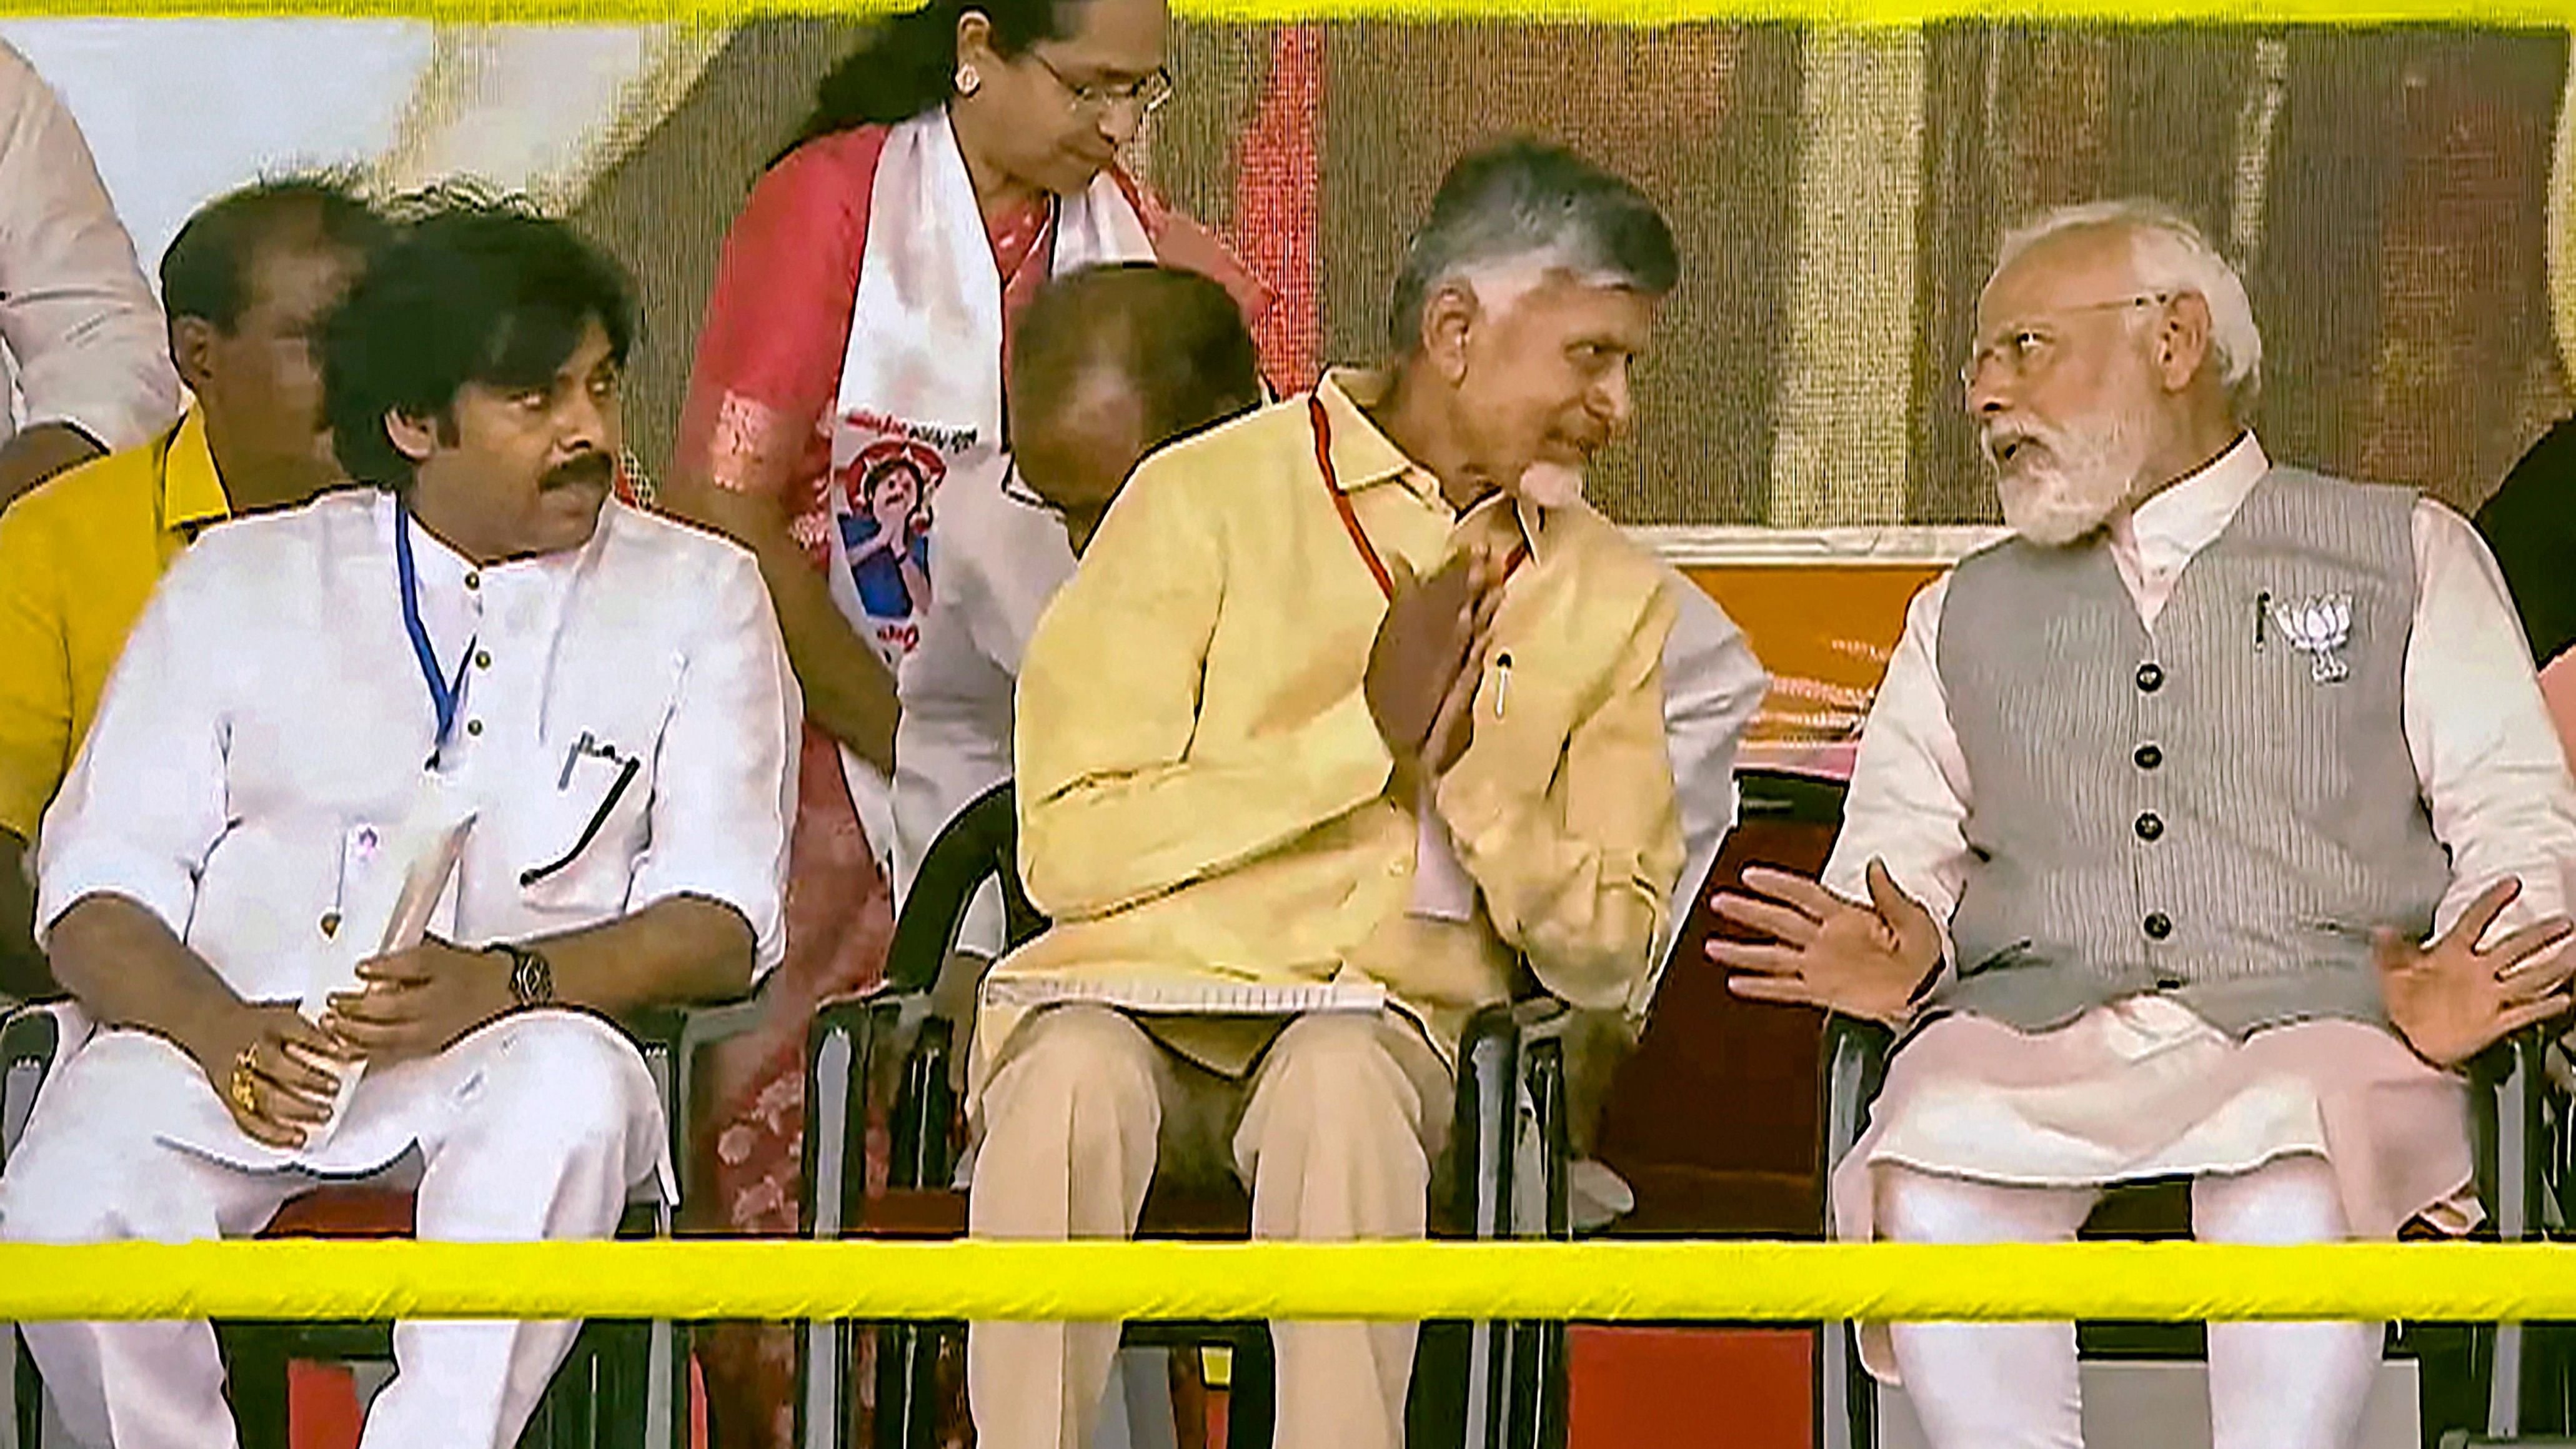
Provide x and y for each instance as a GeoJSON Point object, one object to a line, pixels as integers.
{"type": "Point", "coordinates": [2283, 1385]}
{"type": "Point", "coordinates": [1985, 1385]}
{"type": "Point", "coordinates": [1072, 1122]}
{"type": "Point", "coordinates": [91, 1170]}
{"type": "Point", "coordinates": [1346, 1116]}
{"type": "Point", "coordinates": [550, 1121]}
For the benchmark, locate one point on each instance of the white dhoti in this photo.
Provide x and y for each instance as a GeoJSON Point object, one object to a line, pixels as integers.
{"type": "Point", "coordinates": [538, 1126]}
{"type": "Point", "coordinates": [2317, 1131]}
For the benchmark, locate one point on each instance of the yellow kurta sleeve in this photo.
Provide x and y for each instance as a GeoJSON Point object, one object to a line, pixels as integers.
{"type": "Point", "coordinates": [35, 674]}
{"type": "Point", "coordinates": [1119, 799]}
{"type": "Point", "coordinates": [1575, 848]}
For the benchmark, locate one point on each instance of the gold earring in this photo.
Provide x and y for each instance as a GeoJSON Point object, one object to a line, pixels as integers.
{"type": "Point", "coordinates": [968, 82]}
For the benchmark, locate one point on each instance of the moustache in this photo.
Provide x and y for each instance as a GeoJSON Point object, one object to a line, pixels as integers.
{"type": "Point", "coordinates": [590, 470]}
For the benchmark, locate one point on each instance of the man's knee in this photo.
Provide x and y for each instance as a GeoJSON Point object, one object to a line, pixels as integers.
{"type": "Point", "coordinates": [2293, 1199]}
{"type": "Point", "coordinates": [1341, 1076]}
{"type": "Point", "coordinates": [563, 1082]}
{"type": "Point", "coordinates": [1084, 1072]}
{"type": "Point", "coordinates": [89, 1170]}
{"type": "Point", "coordinates": [1931, 1207]}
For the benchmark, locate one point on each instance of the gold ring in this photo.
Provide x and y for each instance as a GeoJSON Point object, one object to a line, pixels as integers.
{"type": "Point", "coordinates": [244, 1084]}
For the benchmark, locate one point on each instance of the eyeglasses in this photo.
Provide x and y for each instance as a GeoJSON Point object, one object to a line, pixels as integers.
{"type": "Point", "coordinates": [1146, 93]}
{"type": "Point", "coordinates": [2024, 348]}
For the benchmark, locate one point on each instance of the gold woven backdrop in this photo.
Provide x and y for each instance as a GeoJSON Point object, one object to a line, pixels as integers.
{"type": "Point", "coordinates": [1837, 198]}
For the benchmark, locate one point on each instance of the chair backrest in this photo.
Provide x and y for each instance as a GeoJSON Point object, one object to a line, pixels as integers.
{"type": "Point", "coordinates": [980, 843]}
{"type": "Point", "coordinates": [1713, 1119]}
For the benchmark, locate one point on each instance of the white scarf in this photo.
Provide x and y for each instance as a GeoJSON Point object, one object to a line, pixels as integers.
{"type": "Point", "coordinates": [921, 386]}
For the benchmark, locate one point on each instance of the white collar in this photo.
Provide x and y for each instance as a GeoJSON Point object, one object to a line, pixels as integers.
{"type": "Point", "coordinates": [2164, 533]}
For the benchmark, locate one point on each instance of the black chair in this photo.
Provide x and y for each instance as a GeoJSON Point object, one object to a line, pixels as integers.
{"type": "Point", "coordinates": [623, 1385]}
{"type": "Point", "coordinates": [2510, 1379]}
{"type": "Point", "coordinates": [1501, 1385]}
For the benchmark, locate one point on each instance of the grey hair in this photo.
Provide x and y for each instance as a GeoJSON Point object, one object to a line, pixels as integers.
{"type": "Point", "coordinates": [2169, 255]}
{"type": "Point", "coordinates": [1527, 205]}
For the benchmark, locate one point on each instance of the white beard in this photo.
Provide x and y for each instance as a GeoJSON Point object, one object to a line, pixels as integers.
{"type": "Point", "coordinates": [1551, 485]}
{"type": "Point", "coordinates": [2089, 470]}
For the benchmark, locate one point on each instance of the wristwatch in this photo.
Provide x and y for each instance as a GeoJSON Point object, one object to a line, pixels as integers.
{"type": "Point", "coordinates": [532, 976]}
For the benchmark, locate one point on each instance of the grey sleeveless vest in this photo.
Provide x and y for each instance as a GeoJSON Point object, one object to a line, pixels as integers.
{"type": "Point", "coordinates": [2222, 809]}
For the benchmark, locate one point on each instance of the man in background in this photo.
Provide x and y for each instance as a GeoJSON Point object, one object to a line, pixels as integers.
{"type": "Point", "coordinates": [249, 279]}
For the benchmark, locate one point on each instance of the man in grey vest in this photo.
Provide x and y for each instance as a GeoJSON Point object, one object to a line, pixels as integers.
{"type": "Point", "coordinates": [2199, 829]}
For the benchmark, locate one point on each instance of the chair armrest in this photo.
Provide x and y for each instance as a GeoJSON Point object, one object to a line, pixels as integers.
{"type": "Point", "coordinates": [2516, 1132]}
{"type": "Point", "coordinates": [849, 1067]}
{"type": "Point", "coordinates": [32, 1039]}
{"type": "Point", "coordinates": [1512, 1054]}
{"type": "Point", "coordinates": [1852, 1067]}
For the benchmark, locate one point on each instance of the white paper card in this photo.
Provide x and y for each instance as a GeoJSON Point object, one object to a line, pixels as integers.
{"type": "Point", "coordinates": [1188, 998]}
{"type": "Point", "coordinates": [387, 904]}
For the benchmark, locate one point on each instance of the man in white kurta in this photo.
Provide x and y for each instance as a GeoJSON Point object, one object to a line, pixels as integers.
{"type": "Point", "coordinates": [310, 698]}
{"type": "Point", "coordinates": [2153, 809]}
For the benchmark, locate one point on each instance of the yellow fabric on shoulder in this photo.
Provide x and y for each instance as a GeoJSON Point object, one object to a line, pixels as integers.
{"type": "Point", "coordinates": [79, 557]}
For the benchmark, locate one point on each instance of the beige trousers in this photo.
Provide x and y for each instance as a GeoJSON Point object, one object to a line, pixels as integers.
{"type": "Point", "coordinates": [1335, 1130]}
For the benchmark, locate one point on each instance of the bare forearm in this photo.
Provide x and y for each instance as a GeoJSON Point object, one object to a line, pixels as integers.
{"type": "Point", "coordinates": [38, 454]}
{"type": "Point", "coordinates": [849, 694]}
{"type": "Point", "coordinates": [678, 952]}
{"type": "Point", "coordinates": [127, 969]}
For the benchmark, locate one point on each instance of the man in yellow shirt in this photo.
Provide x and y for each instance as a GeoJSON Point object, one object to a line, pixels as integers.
{"type": "Point", "coordinates": [246, 284]}
{"type": "Point", "coordinates": [1296, 815]}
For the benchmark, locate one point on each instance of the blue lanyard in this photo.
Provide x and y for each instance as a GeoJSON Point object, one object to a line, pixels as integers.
{"type": "Point", "coordinates": [444, 694]}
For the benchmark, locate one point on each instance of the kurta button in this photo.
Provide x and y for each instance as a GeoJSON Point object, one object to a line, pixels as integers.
{"type": "Point", "coordinates": [2151, 677]}
{"type": "Point", "coordinates": [474, 580]}
{"type": "Point", "coordinates": [330, 924]}
{"type": "Point", "coordinates": [2149, 827]}
{"type": "Point", "coordinates": [2169, 983]}
{"type": "Point", "coordinates": [474, 726]}
{"type": "Point", "coordinates": [2158, 925]}
{"type": "Point", "coordinates": [2148, 757]}
{"type": "Point", "coordinates": [482, 659]}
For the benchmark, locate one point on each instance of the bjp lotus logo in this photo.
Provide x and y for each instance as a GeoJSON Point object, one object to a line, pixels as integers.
{"type": "Point", "coordinates": [2318, 626]}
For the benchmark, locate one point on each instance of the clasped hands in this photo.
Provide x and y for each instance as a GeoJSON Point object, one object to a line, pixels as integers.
{"type": "Point", "coordinates": [1428, 656]}
{"type": "Point", "coordinates": [2449, 1000]}
{"type": "Point", "coordinates": [279, 1073]}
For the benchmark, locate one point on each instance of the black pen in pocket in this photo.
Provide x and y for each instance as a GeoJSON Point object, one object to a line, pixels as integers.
{"type": "Point", "coordinates": [599, 817]}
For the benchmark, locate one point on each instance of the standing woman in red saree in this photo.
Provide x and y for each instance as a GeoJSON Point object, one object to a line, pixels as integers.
{"type": "Point", "coordinates": [851, 366]}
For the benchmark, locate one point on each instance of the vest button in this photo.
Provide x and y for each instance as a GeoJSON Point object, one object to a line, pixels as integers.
{"type": "Point", "coordinates": [2148, 757]}
{"type": "Point", "coordinates": [2151, 677]}
{"type": "Point", "coordinates": [2158, 925]}
{"type": "Point", "coordinates": [2149, 826]}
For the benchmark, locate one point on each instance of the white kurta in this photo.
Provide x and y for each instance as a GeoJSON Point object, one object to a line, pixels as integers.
{"type": "Point", "coordinates": [2141, 1089]}
{"type": "Point", "coordinates": [269, 714]}
{"type": "Point", "coordinates": [85, 342]}
{"type": "Point", "coordinates": [266, 726]}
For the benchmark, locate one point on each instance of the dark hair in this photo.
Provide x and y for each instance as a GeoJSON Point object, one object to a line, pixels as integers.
{"type": "Point", "coordinates": [908, 63]}
{"type": "Point", "coordinates": [1175, 336]}
{"type": "Point", "coordinates": [206, 271]}
{"type": "Point", "coordinates": [473, 290]}
{"type": "Point", "coordinates": [1524, 198]}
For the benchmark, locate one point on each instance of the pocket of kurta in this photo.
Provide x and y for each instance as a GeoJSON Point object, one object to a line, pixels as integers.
{"type": "Point", "coordinates": [581, 855]}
